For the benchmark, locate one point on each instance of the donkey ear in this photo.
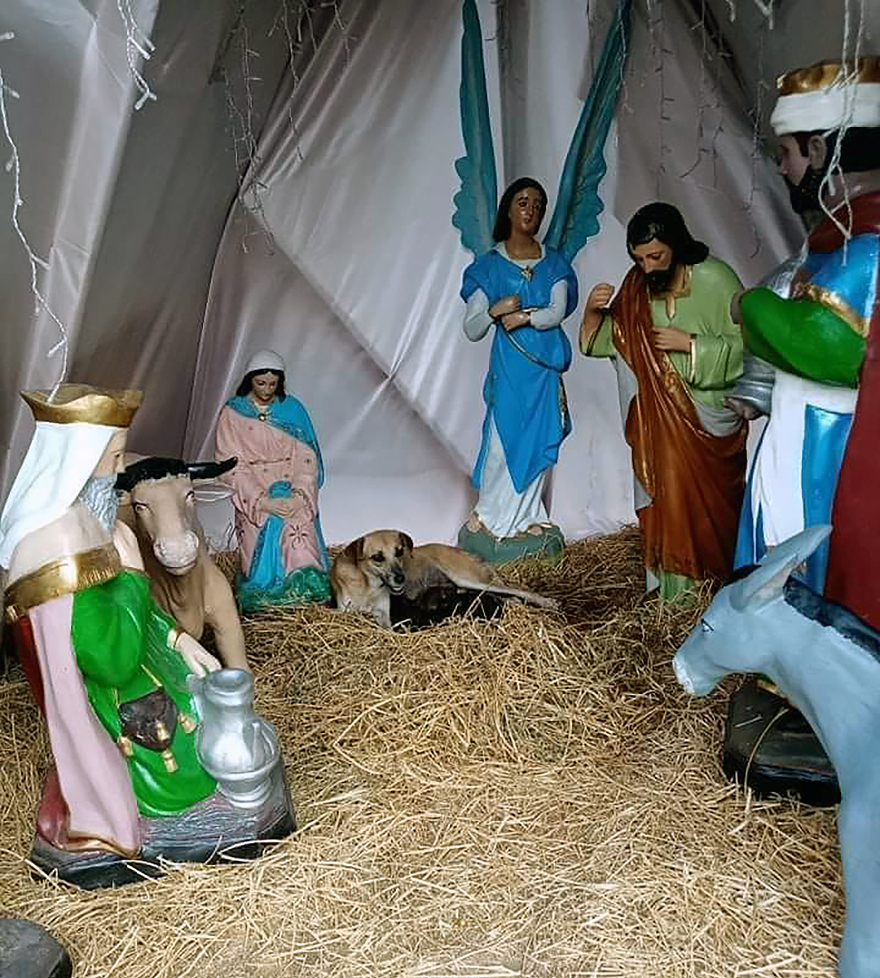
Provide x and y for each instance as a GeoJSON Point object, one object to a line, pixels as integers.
{"type": "Point", "coordinates": [210, 470]}
{"type": "Point", "coordinates": [355, 550]}
{"type": "Point", "coordinates": [766, 582]}
{"type": "Point", "coordinates": [406, 540]}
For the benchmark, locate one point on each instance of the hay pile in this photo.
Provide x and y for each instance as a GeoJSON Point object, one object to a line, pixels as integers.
{"type": "Point", "coordinates": [528, 796]}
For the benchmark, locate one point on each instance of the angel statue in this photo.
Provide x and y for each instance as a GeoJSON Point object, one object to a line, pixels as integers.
{"type": "Point", "coordinates": [525, 288]}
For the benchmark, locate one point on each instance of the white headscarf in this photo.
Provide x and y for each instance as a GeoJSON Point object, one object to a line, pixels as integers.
{"type": "Point", "coordinates": [58, 463]}
{"type": "Point", "coordinates": [265, 360]}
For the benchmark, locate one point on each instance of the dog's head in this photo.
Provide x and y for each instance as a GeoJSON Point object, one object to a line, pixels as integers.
{"type": "Point", "coordinates": [382, 556]}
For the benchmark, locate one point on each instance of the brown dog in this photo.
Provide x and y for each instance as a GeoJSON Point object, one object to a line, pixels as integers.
{"type": "Point", "coordinates": [385, 562]}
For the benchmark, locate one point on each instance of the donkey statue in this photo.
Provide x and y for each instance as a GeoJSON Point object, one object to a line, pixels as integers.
{"type": "Point", "coordinates": [827, 662]}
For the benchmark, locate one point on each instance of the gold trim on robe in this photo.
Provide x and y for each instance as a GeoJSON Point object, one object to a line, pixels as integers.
{"type": "Point", "coordinates": [67, 575]}
{"type": "Point", "coordinates": [831, 300]}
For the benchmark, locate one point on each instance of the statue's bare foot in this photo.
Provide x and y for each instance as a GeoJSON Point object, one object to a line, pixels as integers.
{"type": "Point", "coordinates": [538, 529]}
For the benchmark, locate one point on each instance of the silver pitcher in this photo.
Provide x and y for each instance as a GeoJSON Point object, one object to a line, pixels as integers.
{"type": "Point", "coordinates": [236, 747]}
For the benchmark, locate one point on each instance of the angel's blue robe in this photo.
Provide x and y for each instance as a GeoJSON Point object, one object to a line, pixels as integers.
{"type": "Point", "coordinates": [523, 390]}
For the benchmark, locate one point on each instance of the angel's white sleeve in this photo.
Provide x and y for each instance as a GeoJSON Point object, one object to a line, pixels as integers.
{"type": "Point", "coordinates": [476, 317]}
{"type": "Point", "coordinates": [553, 314]}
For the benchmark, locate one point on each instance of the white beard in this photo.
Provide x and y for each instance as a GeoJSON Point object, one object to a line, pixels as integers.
{"type": "Point", "coordinates": [99, 497]}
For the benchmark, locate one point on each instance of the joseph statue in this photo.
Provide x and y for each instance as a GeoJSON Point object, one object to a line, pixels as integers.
{"type": "Point", "coordinates": [678, 354]}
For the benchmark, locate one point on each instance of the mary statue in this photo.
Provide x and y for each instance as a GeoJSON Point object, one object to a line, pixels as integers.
{"type": "Point", "coordinates": [274, 489]}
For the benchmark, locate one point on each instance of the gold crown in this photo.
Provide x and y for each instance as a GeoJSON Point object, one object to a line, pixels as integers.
{"type": "Point", "coordinates": [824, 74]}
{"type": "Point", "coordinates": [80, 402]}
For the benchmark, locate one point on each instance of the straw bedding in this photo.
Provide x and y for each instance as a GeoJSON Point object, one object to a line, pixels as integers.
{"type": "Point", "coordinates": [530, 796]}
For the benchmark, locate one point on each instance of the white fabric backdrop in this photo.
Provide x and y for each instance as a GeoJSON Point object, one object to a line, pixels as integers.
{"type": "Point", "coordinates": [360, 289]}
{"type": "Point", "coordinates": [67, 63]}
{"type": "Point", "coordinates": [360, 296]}
{"type": "Point", "coordinates": [127, 207]}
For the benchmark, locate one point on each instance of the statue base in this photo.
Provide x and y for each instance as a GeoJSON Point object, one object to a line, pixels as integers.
{"type": "Point", "coordinates": [30, 951]}
{"type": "Point", "coordinates": [548, 545]}
{"type": "Point", "coordinates": [787, 758]}
{"type": "Point", "coordinates": [209, 832]}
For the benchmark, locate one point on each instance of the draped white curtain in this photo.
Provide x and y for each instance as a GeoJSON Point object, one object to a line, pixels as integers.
{"type": "Point", "coordinates": [343, 257]}
{"type": "Point", "coordinates": [125, 206]}
{"type": "Point", "coordinates": [359, 293]}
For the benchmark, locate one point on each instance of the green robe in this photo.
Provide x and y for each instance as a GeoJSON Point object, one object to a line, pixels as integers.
{"type": "Point", "coordinates": [120, 638]}
{"type": "Point", "coordinates": [711, 373]}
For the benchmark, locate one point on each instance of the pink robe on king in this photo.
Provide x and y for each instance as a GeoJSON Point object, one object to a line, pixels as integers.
{"type": "Point", "coordinates": [88, 794]}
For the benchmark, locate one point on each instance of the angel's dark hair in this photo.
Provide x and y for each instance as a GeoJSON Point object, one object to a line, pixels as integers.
{"type": "Point", "coordinates": [501, 231]}
{"type": "Point", "coordinates": [665, 223]}
{"type": "Point", "coordinates": [244, 388]}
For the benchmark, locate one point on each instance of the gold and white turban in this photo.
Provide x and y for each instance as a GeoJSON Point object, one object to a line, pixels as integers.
{"type": "Point", "coordinates": [820, 97]}
{"type": "Point", "coordinates": [72, 431]}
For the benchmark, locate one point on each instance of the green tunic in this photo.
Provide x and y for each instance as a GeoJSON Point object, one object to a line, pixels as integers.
{"type": "Point", "coordinates": [705, 313]}
{"type": "Point", "coordinates": [120, 640]}
{"type": "Point", "coordinates": [710, 372]}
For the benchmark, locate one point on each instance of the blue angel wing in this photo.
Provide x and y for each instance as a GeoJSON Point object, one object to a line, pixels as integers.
{"type": "Point", "coordinates": [578, 205]}
{"type": "Point", "coordinates": [475, 203]}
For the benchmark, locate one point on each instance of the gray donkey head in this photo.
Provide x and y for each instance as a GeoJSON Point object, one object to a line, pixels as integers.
{"type": "Point", "coordinates": [748, 623]}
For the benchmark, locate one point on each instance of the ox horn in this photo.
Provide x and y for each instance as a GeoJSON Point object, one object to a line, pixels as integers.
{"type": "Point", "coordinates": [124, 482]}
{"type": "Point", "coordinates": [210, 470]}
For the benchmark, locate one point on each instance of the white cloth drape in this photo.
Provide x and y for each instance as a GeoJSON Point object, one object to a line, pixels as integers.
{"type": "Point", "coordinates": [359, 286]}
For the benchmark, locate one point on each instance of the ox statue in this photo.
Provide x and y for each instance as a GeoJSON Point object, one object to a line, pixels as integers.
{"type": "Point", "coordinates": [185, 581]}
{"type": "Point", "coordinates": [827, 662]}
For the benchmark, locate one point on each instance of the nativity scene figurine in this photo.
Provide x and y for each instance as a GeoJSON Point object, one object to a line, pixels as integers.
{"type": "Point", "coordinates": [522, 289]}
{"type": "Point", "coordinates": [275, 485]}
{"type": "Point", "coordinates": [116, 679]}
{"type": "Point", "coordinates": [678, 354]}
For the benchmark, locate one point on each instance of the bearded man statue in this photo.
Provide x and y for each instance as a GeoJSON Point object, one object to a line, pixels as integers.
{"type": "Point", "coordinates": [678, 354]}
{"type": "Point", "coordinates": [818, 461]}
{"type": "Point", "coordinates": [115, 678]}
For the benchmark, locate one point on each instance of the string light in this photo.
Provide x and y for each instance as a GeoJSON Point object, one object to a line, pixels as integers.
{"type": "Point", "coordinates": [702, 103]}
{"type": "Point", "coordinates": [136, 44]}
{"type": "Point", "coordinates": [848, 81]}
{"type": "Point", "coordinates": [623, 63]}
{"type": "Point", "coordinates": [766, 8]}
{"type": "Point", "coordinates": [13, 165]}
{"type": "Point", "coordinates": [757, 153]}
{"type": "Point", "coordinates": [657, 29]}
{"type": "Point", "coordinates": [296, 20]}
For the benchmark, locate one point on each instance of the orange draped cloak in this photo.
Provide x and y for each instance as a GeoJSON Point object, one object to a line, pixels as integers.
{"type": "Point", "coordinates": [695, 479]}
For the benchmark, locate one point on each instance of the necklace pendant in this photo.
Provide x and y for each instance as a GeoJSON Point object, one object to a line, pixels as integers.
{"type": "Point", "coordinates": [527, 272]}
{"type": "Point", "coordinates": [263, 415]}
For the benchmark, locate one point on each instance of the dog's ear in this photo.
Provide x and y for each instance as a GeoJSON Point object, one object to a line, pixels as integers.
{"type": "Point", "coordinates": [406, 541]}
{"type": "Point", "coordinates": [355, 550]}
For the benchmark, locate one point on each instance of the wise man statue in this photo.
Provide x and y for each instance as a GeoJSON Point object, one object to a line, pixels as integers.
{"type": "Point", "coordinates": [818, 461]}
{"type": "Point", "coordinates": [108, 668]}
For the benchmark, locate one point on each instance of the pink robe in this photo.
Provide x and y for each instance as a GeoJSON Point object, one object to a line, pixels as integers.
{"type": "Point", "coordinates": [88, 797]}
{"type": "Point", "coordinates": [266, 455]}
